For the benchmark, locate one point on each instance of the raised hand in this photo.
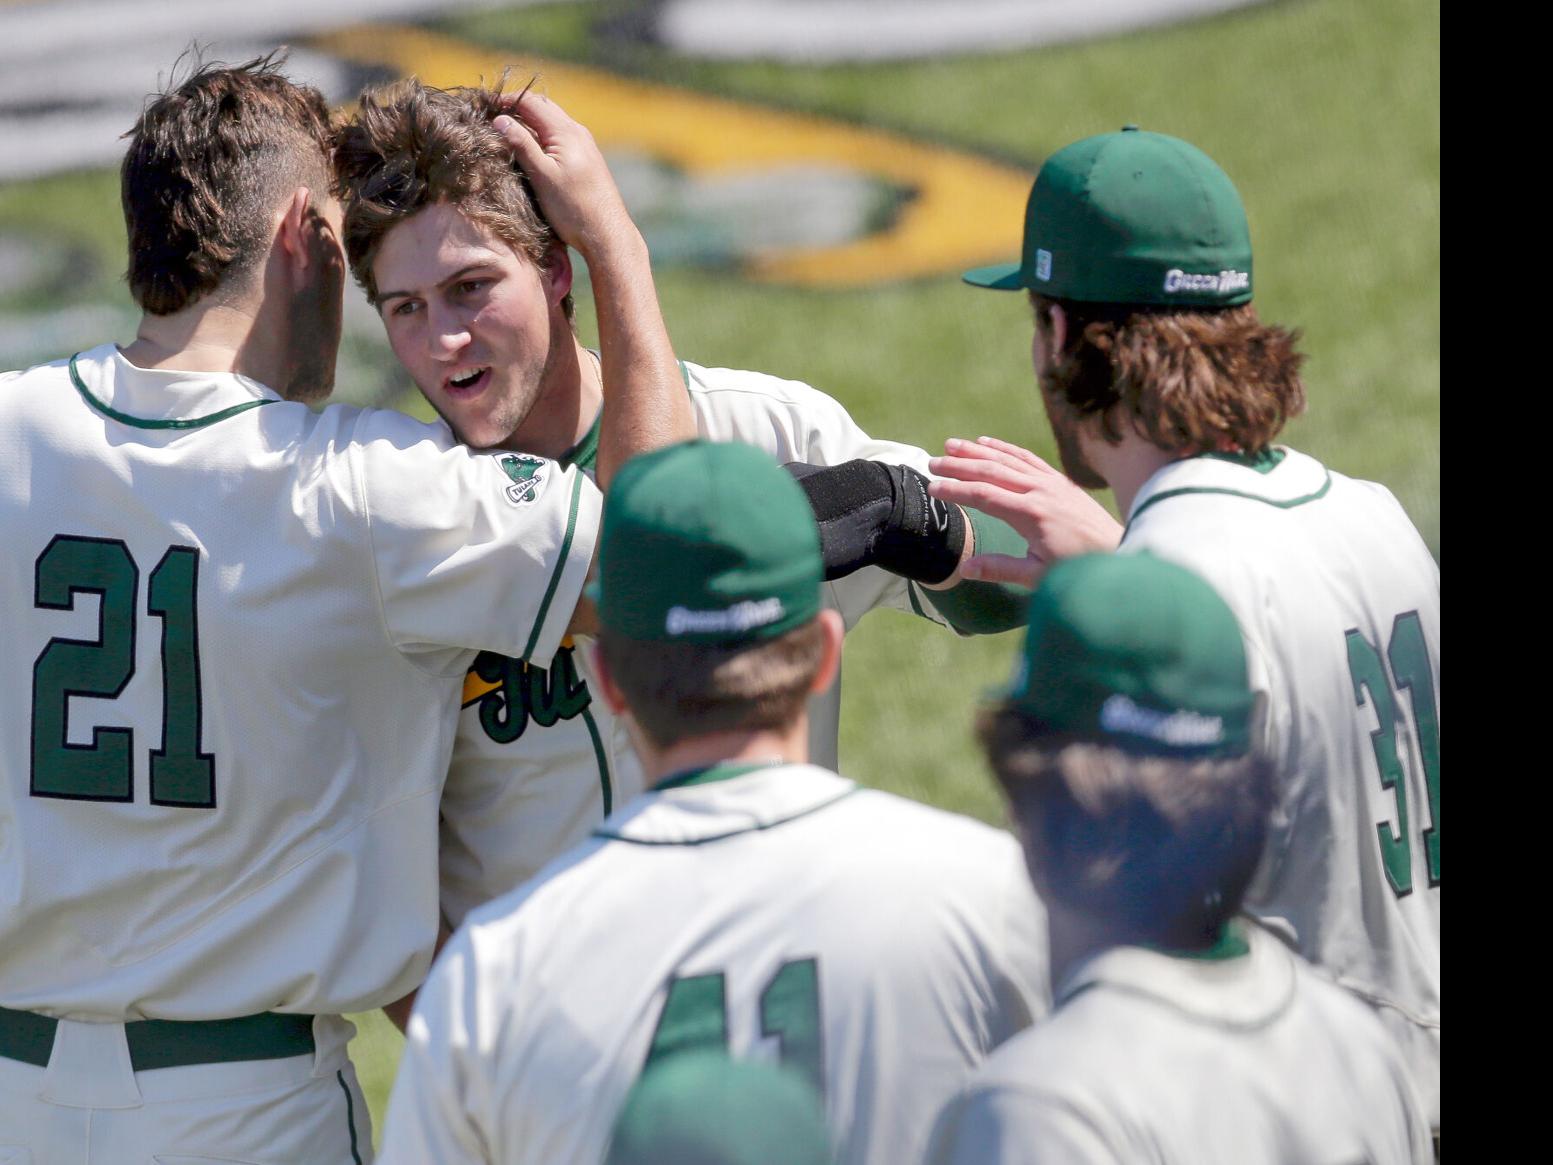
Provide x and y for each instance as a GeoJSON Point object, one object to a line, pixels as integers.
{"type": "Point", "coordinates": [1056, 517]}
{"type": "Point", "coordinates": [567, 170]}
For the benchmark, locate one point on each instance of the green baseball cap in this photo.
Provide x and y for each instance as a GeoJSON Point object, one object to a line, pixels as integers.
{"type": "Point", "coordinates": [1137, 652]}
{"type": "Point", "coordinates": [701, 1108]}
{"type": "Point", "coordinates": [706, 542]}
{"type": "Point", "coordinates": [1131, 217]}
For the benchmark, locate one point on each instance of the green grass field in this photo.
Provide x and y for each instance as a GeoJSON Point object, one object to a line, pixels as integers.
{"type": "Point", "coordinates": [1327, 115]}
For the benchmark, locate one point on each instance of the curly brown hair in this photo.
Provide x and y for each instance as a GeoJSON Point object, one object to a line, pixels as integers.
{"type": "Point", "coordinates": [410, 145]}
{"type": "Point", "coordinates": [1164, 847]}
{"type": "Point", "coordinates": [1199, 380]}
{"type": "Point", "coordinates": [208, 162]}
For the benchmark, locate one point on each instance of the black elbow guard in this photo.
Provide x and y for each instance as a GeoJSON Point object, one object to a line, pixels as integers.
{"type": "Point", "coordinates": [873, 514]}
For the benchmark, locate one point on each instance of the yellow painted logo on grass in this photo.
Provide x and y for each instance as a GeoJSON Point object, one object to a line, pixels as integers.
{"type": "Point", "coordinates": [947, 209]}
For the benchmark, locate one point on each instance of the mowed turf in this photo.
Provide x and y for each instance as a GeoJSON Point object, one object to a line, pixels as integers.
{"type": "Point", "coordinates": [1326, 115]}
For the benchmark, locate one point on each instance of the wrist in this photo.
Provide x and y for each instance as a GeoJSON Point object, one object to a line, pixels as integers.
{"type": "Point", "coordinates": [617, 245]}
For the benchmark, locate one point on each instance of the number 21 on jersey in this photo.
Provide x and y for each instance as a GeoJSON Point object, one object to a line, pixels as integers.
{"type": "Point", "coordinates": [1408, 654]}
{"type": "Point", "coordinates": [181, 775]}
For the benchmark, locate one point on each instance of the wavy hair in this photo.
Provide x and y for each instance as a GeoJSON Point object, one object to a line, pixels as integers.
{"type": "Point", "coordinates": [1187, 380]}
{"type": "Point", "coordinates": [409, 146]}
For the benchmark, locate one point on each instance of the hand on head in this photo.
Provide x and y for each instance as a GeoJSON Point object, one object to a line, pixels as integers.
{"type": "Point", "coordinates": [564, 165]}
{"type": "Point", "coordinates": [1052, 514]}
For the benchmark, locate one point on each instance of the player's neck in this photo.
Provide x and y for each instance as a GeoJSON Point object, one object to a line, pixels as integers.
{"type": "Point", "coordinates": [790, 746]}
{"type": "Point", "coordinates": [570, 396]}
{"type": "Point", "coordinates": [208, 337]}
{"type": "Point", "coordinates": [1128, 465]}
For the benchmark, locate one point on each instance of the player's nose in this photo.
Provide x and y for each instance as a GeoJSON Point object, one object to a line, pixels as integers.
{"type": "Point", "coordinates": [448, 333]}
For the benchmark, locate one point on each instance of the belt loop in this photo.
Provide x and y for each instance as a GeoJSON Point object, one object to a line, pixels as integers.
{"type": "Point", "coordinates": [90, 1067]}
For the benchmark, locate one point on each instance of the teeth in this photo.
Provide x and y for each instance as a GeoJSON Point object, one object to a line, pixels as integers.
{"type": "Point", "coordinates": [467, 379]}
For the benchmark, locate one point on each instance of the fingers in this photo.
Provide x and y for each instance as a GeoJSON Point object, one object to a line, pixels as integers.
{"type": "Point", "coordinates": [1016, 480]}
{"type": "Point", "coordinates": [1016, 451]}
{"type": "Point", "coordinates": [991, 449]}
{"type": "Point", "coordinates": [522, 142]}
{"type": "Point", "coordinates": [1003, 568]}
{"type": "Point", "coordinates": [1015, 508]}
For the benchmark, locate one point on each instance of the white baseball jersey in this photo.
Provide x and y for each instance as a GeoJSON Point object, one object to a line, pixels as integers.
{"type": "Point", "coordinates": [879, 946]}
{"type": "Point", "coordinates": [538, 762]}
{"type": "Point", "coordinates": [1339, 601]}
{"type": "Point", "coordinates": [1241, 1060]}
{"type": "Point", "coordinates": [236, 631]}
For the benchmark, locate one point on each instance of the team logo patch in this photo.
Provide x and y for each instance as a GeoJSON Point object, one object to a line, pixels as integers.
{"type": "Point", "coordinates": [1043, 265]}
{"type": "Point", "coordinates": [528, 476]}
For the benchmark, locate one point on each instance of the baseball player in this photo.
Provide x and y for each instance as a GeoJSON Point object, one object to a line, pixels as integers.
{"type": "Point", "coordinates": [473, 290]}
{"type": "Point", "coordinates": [1160, 381]}
{"type": "Point", "coordinates": [751, 901]}
{"type": "Point", "coordinates": [235, 632]}
{"type": "Point", "coordinates": [1179, 1032]}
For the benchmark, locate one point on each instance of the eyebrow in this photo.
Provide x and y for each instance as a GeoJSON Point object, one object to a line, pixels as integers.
{"type": "Point", "coordinates": [384, 296]}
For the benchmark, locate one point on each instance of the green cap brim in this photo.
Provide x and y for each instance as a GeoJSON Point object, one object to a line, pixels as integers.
{"type": "Point", "coordinates": [999, 277]}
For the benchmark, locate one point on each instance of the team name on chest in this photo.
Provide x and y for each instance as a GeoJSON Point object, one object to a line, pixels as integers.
{"type": "Point", "coordinates": [509, 693]}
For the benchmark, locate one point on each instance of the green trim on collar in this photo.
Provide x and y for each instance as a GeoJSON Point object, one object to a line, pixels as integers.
{"type": "Point", "coordinates": [1263, 460]}
{"type": "Point", "coordinates": [113, 414]}
{"type": "Point", "coordinates": [756, 827]}
{"type": "Point", "coordinates": [585, 454]}
{"type": "Point", "coordinates": [560, 569]}
{"type": "Point", "coordinates": [1235, 493]}
{"type": "Point", "coordinates": [711, 774]}
{"type": "Point", "coordinates": [1231, 944]}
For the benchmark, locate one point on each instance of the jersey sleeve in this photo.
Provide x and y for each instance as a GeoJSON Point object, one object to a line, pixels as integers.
{"type": "Point", "coordinates": [435, 1112]}
{"type": "Point", "coordinates": [475, 551]}
{"type": "Point", "coordinates": [1000, 1126]}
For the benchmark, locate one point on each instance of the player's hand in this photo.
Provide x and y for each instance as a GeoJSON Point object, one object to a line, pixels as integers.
{"type": "Point", "coordinates": [1055, 516]}
{"type": "Point", "coordinates": [564, 165]}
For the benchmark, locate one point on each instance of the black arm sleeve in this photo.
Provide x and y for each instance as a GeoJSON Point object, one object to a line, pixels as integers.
{"type": "Point", "coordinates": [874, 514]}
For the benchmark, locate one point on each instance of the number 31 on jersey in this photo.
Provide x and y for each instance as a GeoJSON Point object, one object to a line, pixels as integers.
{"type": "Point", "coordinates": [1408, 654]}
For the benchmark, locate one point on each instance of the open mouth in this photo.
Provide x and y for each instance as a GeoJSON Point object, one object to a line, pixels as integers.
{"type": "Point", "coordinates": [467, 382]}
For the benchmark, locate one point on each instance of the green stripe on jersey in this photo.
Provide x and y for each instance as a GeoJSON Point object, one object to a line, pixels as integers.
{"type": "Point", "coordinates": [560, 567]}
{"type": "Point", "coordinates": [606, 789]}
{"type": "Point", "coordinates": [1288, 504]}
{"type": "Point", "coordinates": [141, 422]}
{"type": "Point", "coordinates": [725, 771]}
{"type": "Point", "coordinates": [753, 827]}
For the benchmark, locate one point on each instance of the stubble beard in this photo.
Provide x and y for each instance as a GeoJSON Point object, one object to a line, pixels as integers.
{"type": "Point", "coordinates": [1070, 453]}
{"type": "Point", "coordinates": [315, 333]}
{"type": "Point", "coordinates": [514, 408]}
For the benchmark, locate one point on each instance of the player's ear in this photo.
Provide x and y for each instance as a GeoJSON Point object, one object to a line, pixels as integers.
{"type": "Point", "coordinates": [834, 630]}
{"type": "Point", "coordinates": [557, 273]}
{"type": "Point", "coordinates": [291, 234]}
{"type": "Point", "coordinates": [1057, 325]}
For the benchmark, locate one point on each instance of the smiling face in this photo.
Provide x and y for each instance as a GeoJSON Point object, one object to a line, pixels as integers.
{"type": "Point", "coordinates": [475, 324]}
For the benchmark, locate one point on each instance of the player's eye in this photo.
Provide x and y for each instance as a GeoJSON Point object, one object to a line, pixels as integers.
{"type": "Point", "coordinates": [473, 286]}
{"type": "Point", "coordinates": [405, 307]}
